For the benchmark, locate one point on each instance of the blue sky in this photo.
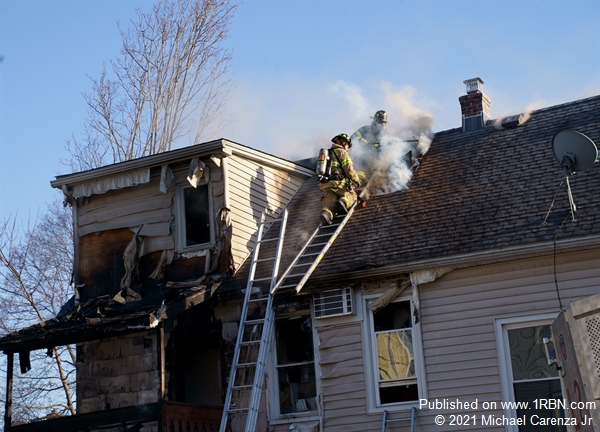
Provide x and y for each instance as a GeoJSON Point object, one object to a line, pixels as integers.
{"type": "Point", "coordinates": [304, 71]}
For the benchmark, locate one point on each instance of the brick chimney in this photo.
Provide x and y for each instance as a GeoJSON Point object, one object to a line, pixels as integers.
{"type": "Point", "coordinates": [475, 106]}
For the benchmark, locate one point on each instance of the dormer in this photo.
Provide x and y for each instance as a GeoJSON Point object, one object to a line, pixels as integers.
{"type": "Point", "coordinates": [173, 217]}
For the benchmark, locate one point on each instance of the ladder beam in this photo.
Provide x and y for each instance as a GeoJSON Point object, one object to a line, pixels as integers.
{"type": "Point", "coordinates": [253, 370]}
{"type": "Point", "coordinates": [319, 256]}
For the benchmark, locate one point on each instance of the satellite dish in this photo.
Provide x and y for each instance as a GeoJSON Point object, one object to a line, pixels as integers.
{"type": "Point", "coordinates": [574, 151]}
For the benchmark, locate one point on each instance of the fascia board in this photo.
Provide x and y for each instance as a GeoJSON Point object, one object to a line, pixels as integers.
{"type": "Point", "coordinates": [220, 148]}
{"type": "Point", "coordinates": [471, 259]}
{"type": "Point", "coordinates": [268, 159]}
{"type": "Point", "coordinates": [213, 147]}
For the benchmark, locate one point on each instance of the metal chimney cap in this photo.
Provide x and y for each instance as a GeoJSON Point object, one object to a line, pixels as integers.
{"type": "Point", "coordinates": [473, 84]}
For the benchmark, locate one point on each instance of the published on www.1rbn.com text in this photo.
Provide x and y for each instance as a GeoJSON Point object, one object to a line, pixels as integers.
{"type": "Point", "coordinates": [454, 412]}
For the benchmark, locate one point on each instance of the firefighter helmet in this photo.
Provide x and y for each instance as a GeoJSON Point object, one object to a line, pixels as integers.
{"type": "Point", "coordinates": [380, 117]}
{"type": "Point", "coordinates": [342, 139]}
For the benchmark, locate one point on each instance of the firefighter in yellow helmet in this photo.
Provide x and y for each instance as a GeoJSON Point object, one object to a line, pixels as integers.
{"type": "Point", "coordinates": [338, 188]}
{"type": "Point", "coordinates": [372, 134]}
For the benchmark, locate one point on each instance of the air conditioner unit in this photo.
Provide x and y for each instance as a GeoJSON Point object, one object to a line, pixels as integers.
{"type": "Point", "coordinates": [333, 303]}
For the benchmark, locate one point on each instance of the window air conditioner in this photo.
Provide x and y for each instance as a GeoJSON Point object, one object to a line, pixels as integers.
{"type": "Point", "coordinates": [332, 303]}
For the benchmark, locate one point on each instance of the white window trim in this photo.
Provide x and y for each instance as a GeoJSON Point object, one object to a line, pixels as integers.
{"type": "Point", "coordinates": [180, 218]}
{"type": "Point", "coordinates": [369, 352]}
{"type": "Point", "coordinates": [273, 414]}
{"type": "Point", "coordinates": [501, 327]}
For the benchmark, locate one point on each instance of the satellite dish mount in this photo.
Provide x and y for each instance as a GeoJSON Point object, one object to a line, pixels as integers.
{"type": "Point", "coordinates": [575, 152]}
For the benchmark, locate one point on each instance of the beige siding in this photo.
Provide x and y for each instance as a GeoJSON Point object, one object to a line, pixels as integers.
{"type": "Point", "coordinates": [343, 379]}
{"type": "Point", "coordinates": [458, 313]}
{"type": "Point", "coordinates": [127, 208]}
{"type": "Point", "coordinates": [252, 188]}
{"type": "Point", "coordinates": [459, 310]}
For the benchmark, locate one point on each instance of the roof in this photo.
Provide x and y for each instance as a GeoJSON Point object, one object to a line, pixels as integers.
{"type": "Point", "coordinates": [475, 196]}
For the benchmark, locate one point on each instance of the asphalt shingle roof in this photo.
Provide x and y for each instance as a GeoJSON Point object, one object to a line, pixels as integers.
{"type": "Point", "coordinates": [478, 191]}
{"type": "Point", "coordinates": [473, 192]}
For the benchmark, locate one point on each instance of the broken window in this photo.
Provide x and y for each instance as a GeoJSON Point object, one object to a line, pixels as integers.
{"type": "Point", "coordinates": [295, 365]}
{"type": "Point", "coordinates": [194, 219]}
{"type": "Point", "coordinates": [394, 354]}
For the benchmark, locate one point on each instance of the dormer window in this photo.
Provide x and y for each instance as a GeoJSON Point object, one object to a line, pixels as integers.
{"type": "Point", "coordinates": [195, 228]}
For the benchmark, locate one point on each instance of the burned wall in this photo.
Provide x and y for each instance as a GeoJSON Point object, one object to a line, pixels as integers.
{"type": "Point", "coordinates": [117, 372]}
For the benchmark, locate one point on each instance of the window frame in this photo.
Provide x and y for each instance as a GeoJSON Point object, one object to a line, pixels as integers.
{"type": "Point", "coordinates": [502, 326]}
{"type": "Point", "coordinates": [181, 222]}
{"type": "Point", "coordinates": [273, 403]}
{"type": "Point", "coordinates": [370, 359]}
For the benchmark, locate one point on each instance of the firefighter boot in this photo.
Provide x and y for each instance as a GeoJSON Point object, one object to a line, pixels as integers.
{"type": "Point", "coordinates": [325, 217]}
{"type": "Point", "coordinates": [342, 205]}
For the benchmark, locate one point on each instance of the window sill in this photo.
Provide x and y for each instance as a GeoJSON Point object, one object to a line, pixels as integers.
{"type": "Point", "coordinates": [299, 418]}
{"type": "Point", "coordinates": [397, 407]}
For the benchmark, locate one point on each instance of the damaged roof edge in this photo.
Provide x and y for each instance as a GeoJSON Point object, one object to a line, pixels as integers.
{"type": "Point", "coordinates": [220, 147]}
{"type": "Point", "coordinates": [469, 259]}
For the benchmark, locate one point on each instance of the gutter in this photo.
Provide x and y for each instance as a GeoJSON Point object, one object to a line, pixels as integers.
{"type": "Point", "coordinates": [470, 259]}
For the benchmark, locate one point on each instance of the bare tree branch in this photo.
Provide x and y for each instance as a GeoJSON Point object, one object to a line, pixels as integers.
{"type": "Point", "coordinates": [170, 82]}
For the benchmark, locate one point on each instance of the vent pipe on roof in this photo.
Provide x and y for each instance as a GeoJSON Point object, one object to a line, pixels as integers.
{"type": "Point", "coordinates": [475, 106]}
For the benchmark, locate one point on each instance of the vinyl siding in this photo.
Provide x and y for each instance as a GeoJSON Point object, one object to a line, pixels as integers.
{"type": "Point", "coordinates": [459, 310]}
{"type": "Point", "coordinates": [252, 189]}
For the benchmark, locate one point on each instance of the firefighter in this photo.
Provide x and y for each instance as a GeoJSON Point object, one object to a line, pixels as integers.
{"type": "Point", "coordinates": [338, 191]}
{"type": "Point", "coordinates": [371, 134]}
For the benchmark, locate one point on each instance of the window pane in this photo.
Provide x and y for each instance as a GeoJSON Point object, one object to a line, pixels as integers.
{"type": "Point", "coordinates": [197, 218]}
{"type": "Point", "coordinates": [294, 340]}
{"type": "Point", "coordinates": [527, 354]}
{"type": "Point", "coordinates": [400, 393]}
{"type": "Point", "coordinates": [543, 389]}
{"type": "Point", "coordinates": [393, 316]}
{"type": "Point", "coordinates": [395, 355]}
{"type": "Point", "coordinates": [297, 389]}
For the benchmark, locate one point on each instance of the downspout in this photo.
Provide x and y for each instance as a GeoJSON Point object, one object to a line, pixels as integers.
{"type": "Point", "coordinates": [73, 201]}
{"type": "Point", "coordinates": [225, 166]}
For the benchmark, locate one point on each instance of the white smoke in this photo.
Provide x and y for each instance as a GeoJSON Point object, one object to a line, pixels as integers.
{"type": "Point", "coordinates": [407, 137]}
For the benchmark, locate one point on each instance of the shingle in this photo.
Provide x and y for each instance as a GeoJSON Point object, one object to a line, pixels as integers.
{"type": "Point", "coordinates": [473, 192]}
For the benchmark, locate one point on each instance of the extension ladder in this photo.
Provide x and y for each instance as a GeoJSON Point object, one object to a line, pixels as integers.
{"type": "Point", "coordinates": [307, 260]}
{"type": "Point", "coordinates": [244, 389]}
{"type": "Point", "coordinates": [412, 418]}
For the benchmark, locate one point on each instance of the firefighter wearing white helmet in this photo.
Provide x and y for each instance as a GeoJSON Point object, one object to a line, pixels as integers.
{"type": "Point", "coordinates": [338, 187]}
{"type": "Point", "coordinates": [371, 134]}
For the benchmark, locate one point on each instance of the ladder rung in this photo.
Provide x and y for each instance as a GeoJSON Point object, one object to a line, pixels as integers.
{"type": "Point", "coordinates": [295, 275]}
{"type": "Point", "coordinates": [262, 279]}
{"type": "Point", "coordinates": [237, 410]}
{"type": "Point", "coordinates": [265, 259]}
{"type": "Point", "coordinates": [287, 286]}
{"type": "Point", "coordinates": [258, 300]}
{"type": "Point", "coordinates": [251, 342]}
{"type": "Point", "coordinates": [242, 387]}
{"type": "Point", "coordinates": [309, 254]}
{"type": "Point", "coordinates": [317, 244]}
{"type": "Point", "coordinates": [246, 364]}
{"type": "Point", "coordinates": [269, 240]}
{"type": "Point", "coordinates": [254, 321]}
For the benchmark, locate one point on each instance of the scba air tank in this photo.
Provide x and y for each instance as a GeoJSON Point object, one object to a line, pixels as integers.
{"type": "Point", "coordinates": [322, 162]}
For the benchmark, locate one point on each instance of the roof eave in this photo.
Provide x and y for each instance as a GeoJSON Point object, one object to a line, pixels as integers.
{"type": "Point", "coordinates": [466, 260]}
{"type": "Point", "coordinates": [219, 148]}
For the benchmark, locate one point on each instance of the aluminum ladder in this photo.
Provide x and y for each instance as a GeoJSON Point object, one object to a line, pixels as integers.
{"type": "Point", "coordinates": [307, 260]}
{"type": "Point", "coordinates": [240, 411]}
{"type": "Point", "coordinates": [412, 418]}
